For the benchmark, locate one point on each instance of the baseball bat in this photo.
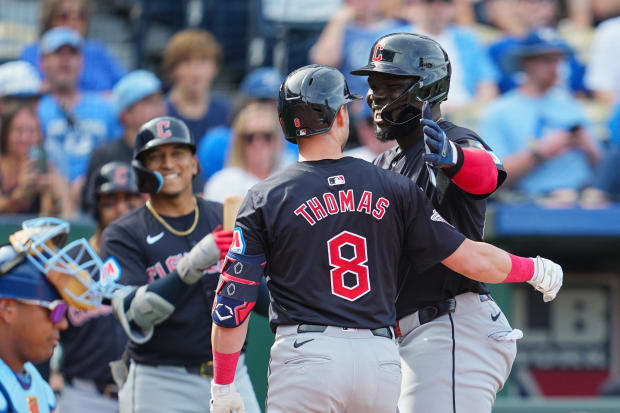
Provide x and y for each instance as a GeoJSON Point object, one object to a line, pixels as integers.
{"type": "Point", "coordinates": [231, 207]}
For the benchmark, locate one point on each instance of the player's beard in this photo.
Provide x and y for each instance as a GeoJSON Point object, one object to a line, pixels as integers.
{"type": "Point", "coordinates": [405, 119]}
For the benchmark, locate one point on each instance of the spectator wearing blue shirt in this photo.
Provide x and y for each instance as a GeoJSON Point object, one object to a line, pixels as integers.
{"type": "Point", "coordinates": [474, 77]}
{"type": "Point", "coordinates": [347, 37]}
{"type": "Point", "coordinates": [539, 130]}
{"type": "Point", "coordinates": [101, 69]}
{"type": "Point", "coordinates": [74, 123]}
{"type": "Point", "coordinates": [191, 61]}
{"type": "Point", "coordinates": [260, 85]}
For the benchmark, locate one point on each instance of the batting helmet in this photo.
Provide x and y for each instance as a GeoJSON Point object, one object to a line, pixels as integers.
{"type": "Point", "coordinates": [111, 178]}
{"type": "Point", "coordinates": [309, 99]}
{"type": "Point", "coordinates": [159, 131]}
{"type": "Point", "coordinates": [410, 55]}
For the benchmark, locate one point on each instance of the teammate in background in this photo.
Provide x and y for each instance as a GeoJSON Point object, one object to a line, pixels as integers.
{"type": "Point", "coordinates": [35, 276]}
{"type": "Point", "coordinates": [462, 355]}
{"type": "Point", "coordinates": [165, 317]}
{"type": "Point", "coordinates": [94, 338]}
{"type": "Point", "coordinates": [332, 310]}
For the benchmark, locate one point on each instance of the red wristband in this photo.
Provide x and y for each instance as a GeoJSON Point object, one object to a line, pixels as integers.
{"type": "Point", "coordinates": [224, 366]}
{"type": "Point", "coordinates": [522, 269]}
{"type": "Point", "coordinates": [478, 173]}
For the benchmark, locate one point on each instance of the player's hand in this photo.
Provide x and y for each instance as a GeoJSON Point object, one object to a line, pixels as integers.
{"type": "Point", "coordinates": [548, 277]}
{"type": "Point", "coordinates": [223, 239]}
{"type": "Point", "coordinates": [439, 150]}
{"type": "Point", "coordinates": [226, 399]}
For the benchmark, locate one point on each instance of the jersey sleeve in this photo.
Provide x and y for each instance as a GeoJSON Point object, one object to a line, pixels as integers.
{"type": "Point", "coordinates": [429, 238]}
{"type": "Point", "coordinates": [118, 243]}
{"type": "Point", "coordinates": [250, 226]}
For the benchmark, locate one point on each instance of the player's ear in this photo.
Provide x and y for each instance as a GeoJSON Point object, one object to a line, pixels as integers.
{"type": "Point", "coordinates": [8, 310]}
{"type": "Point", "coordinates": [194, 165]}
{"type": "Point", "coordinates": [342, 117]}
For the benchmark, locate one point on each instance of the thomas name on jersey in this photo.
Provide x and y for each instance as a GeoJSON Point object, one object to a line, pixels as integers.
{"type": "Point", "coordinates": [319, 207]}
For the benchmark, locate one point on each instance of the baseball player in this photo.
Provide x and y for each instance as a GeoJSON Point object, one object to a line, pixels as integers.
{"type": "Point", "coordinates": [38, 283]}
{"type": "Point", "coordinates": [166, 316]}
{"type": "Point", "coordinates": [94, 337]}
{"type": "Point", "coordinates": [327, 232]}
{"type": "Point", "coordinates": [456, 346]}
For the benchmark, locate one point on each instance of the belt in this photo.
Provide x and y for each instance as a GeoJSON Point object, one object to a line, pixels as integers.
{"type": "Point", "coordinates": [203, 370]}
{"type": "Point", "coordinates": [106, 389]}
{"type": "Point", "coordinates": [428, 314]}
{"type": "Point", "coordinates": [316, 328]}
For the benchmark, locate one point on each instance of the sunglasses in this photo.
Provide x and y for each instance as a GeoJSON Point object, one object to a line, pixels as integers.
{"type": "Point", "coordinates": [66, 15]}
{"type": "Point", "coordinates": [57, 308]}
{"type": "Point", "coordinates": [266, 136]}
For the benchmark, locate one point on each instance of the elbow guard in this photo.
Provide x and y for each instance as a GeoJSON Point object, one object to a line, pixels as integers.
{"type": "Point", "coordinates": [477, 172]}
{"type": "Point", "coordinates": [237, 289]}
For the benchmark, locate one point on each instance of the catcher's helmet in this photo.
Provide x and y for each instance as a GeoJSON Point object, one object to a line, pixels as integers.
{"type": "Point", "coordinates": [410, 55]}
{"type": "Point", "coordinates": [309, 99]}
{"type": "Point", "coordinates": [163, 130]}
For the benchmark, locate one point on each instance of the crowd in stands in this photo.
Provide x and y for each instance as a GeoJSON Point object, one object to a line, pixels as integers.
{"type": "Point", "coordinates": [538, 79]}
{"type": "Point", "coordinates": [541, 87]}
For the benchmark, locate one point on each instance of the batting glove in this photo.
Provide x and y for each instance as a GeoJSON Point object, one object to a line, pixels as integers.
{"type": "Point", "coordinates": [203, 255]}
{"type": "Point", "coordinates": [548, 278]}
{"type": "Point", "coordinates": [226, 399]}
{"type": "Point", "coordinates": [439, 150]}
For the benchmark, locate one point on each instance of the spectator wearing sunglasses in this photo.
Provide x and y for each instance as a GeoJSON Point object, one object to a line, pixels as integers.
{"type": "Point", "coordinates": [101, 69]}
{"type": "Point", "coordinates": [255, 153]}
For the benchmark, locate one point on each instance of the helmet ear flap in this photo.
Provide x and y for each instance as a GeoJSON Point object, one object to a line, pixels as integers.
{"type": "Point", "coordinates": [148, 181]}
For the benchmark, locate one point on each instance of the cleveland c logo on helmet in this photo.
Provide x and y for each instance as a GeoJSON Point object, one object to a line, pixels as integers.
{"type": "Point", "coordinates": [163, 129]}
{"type": "Point", "coordinates": [376, 54]}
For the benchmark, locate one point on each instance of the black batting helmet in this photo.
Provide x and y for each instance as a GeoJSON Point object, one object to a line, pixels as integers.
{"type": "Point", "coordinates": [163, 130]}
{"type": "Point", "coordinates": [111, 178]}
{"type": "Point", "coordinates": [410, 55]}
{"type": "Point", "coordinates": [309, 99]}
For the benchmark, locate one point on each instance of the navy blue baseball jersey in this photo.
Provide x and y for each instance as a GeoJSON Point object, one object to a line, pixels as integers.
{"type": "Point", "coordinates": [418, 287]}
{"type": "Point", "coordinates": [331, 233]}
{"type": "Point", "coordinates": [145, 252]}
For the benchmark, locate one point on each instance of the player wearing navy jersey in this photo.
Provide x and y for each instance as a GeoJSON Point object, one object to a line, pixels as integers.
{"type": "Point", "coordinates": [457, 347]}
{"type": "Point", "coordinates": [38, 283]}
{"type": "Point", "coordinates": [327, 232]}
{"type": "Point", "coordinates": [166, 315]}
{"type": "Point", "coordinates": [94, 337]}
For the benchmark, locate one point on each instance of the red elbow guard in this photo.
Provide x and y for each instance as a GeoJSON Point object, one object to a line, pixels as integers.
{"type": "Point", "coordinates": [478, 172]}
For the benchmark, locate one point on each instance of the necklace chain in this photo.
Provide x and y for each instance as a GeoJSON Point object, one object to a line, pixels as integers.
{"type": "Point", "coordinates": [168, 226]}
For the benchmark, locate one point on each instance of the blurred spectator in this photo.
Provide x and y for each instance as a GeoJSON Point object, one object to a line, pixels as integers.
{"type": "Point", "coordinates": [260, 85]}
{"type": "Point", "coordinates": [347, 37]}
{"type": "Point", "coordinates": [603, 71]}
{"type": "Point", "coordinates": [255, 153]}
{"type": "Point", "coordinates": [370, 147]}
{"type": "Point", "coordinates": [101, 69]}
{"type": "Point", "coordinates": [539, 130]}
{"type": "Point", "coordinates": [27, 183]}
{"type": "Point", "coordinates": [74, 123]}
{"type": "Point", "coordinates": [468, 86]}
{"type": "Point", "coordinates": [191, 62]}
{"type": "Point", "coordinates": [137, 98]}
{"type": "Point", "coordinates": [94, 337]}
{"type": "Point", "coordinates": [19, 83]}
{"type": "Point", "coordinates": [531, 15]}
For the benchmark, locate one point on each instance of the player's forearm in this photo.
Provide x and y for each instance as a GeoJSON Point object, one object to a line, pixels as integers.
{"type": "Point", "coordinates": [475, 172]}
{"type": "Point", "coordinates": [480, 261]}
{"type": "Point", "coordinates": [226, 344]}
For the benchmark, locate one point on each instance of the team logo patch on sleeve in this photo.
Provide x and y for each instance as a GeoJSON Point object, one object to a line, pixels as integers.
{"type": "Point", "coordinates": [335, 180]}
{"type": "Point", "coordinates": [438, 218]}
{"type": "Point", "coordinates": [238, 243]}
{"type": "Point", "coordinates": [110, 271]}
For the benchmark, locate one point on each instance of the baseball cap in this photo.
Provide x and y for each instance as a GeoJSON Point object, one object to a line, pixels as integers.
{"type": "Point", "coordinates": [536, 43]}
{"type": "Point", "coordinates": [134, 86]}
{"type": "Point", "coordinates": [57, 37]}
{"type": "Point", "coordinates": [19, 79]}
{"type": "Point", "coordinates": [262, 83]}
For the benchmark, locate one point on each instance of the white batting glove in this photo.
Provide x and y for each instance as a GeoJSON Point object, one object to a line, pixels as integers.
{"type": "Point", "coordinates": [226, 399]}
{"type": "Point", "coordinates": [548, 277]}
{"type": "Point", "coordinates": [202, 256]}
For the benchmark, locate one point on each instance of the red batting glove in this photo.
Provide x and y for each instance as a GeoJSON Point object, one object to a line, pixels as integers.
{"type": "Point", "coordinates": [223, 239]}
